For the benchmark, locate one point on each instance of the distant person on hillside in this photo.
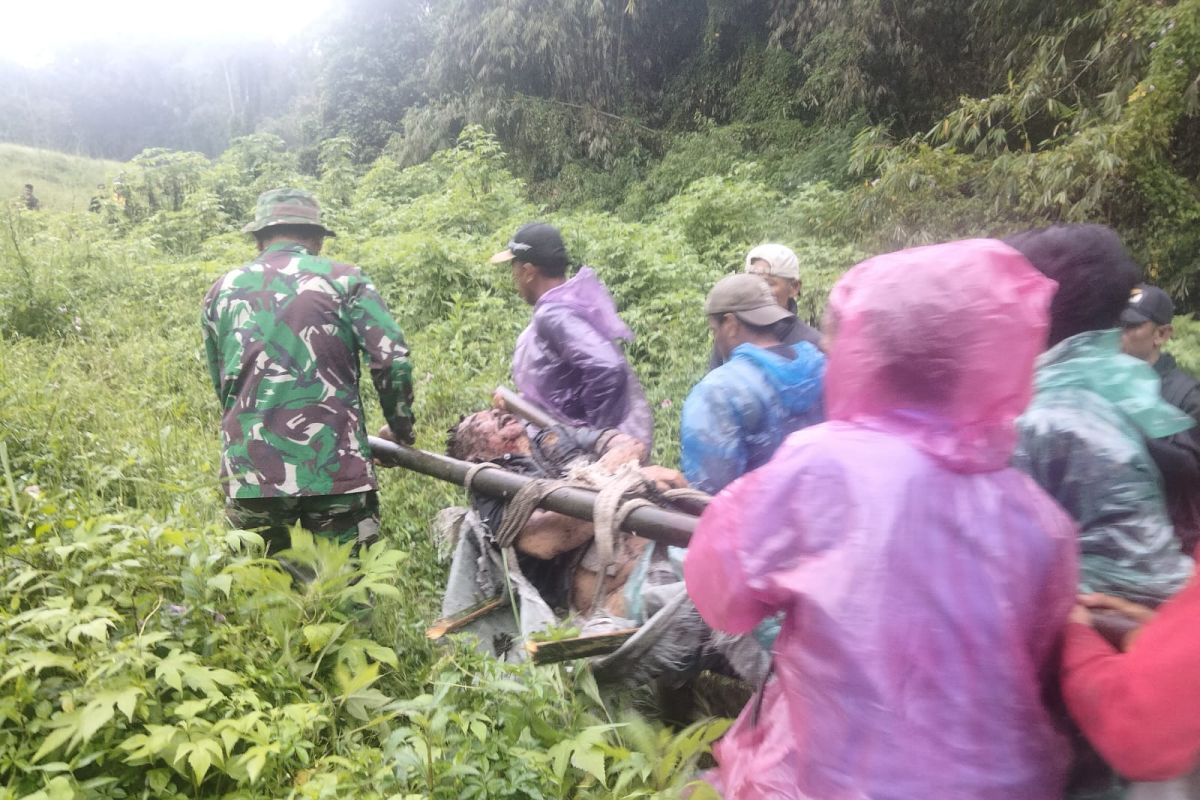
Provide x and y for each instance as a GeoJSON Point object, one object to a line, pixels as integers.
{"type": "Point", "coordinates": [284, 335]}
{"type": "Point", "coordinates": [1083, 437]}
{"type": "Point", "coordinates": [96, 204]}
{"type": "Point", "coordinates": [780, 268]}
{"type": "Point", "coordinates": [1146, 325]}
{"type": "Point", "coordinates": [737, 416]}
{"type": "Point", "coordinates": [30, 202]}
{"type": "Point", "coordinates": [120, 194]}
{"type": "Point", "coordinates": [568, 360]}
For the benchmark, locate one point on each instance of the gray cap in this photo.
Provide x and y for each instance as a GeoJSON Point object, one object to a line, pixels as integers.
{"type": "Point", "coordinates": [748, 297]}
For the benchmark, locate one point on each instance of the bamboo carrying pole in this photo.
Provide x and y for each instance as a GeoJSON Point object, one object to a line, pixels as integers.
{"type": "Point", "coordinates": [658, 524]}
{"type": "Point", "coordinates": [524, 409]}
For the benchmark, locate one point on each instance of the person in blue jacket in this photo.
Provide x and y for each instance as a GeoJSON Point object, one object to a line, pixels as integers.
{"type": "Point", "coordinates": [736, 417]}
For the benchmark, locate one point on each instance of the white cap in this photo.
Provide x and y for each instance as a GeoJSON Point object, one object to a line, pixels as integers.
{"type": "Point", "coordinates": [781, 261]}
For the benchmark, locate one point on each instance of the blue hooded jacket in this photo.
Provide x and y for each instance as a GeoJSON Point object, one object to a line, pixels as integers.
{"type": "Point", "coordinates": [736, 417]}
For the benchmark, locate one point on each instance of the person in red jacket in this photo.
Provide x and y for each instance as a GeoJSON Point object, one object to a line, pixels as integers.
{"type": "Point", "coordinates": [1139, 708]}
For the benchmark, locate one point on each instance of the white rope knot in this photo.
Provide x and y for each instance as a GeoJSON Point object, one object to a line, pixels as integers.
{"type": "Point", "coordinates": [609, 513]}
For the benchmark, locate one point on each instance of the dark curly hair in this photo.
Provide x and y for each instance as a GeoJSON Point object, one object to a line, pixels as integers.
{"type": "Point", "coordinates": [1094, 272]}
{"type": "Point", "coordinates": [457, 446]}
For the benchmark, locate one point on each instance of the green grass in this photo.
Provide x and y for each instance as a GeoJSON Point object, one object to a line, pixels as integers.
{"type": "Point", "coordinates": [62, 182]}
{"type": "Point", "coordinates": [145, 650]}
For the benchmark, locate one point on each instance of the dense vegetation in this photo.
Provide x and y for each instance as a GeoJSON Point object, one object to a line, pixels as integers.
{"type": "Point", "coordinates": [147, 651]}
{"type": "Point", "coordinates": [952, 117]}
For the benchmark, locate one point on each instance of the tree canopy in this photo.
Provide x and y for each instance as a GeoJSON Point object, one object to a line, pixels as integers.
{"type": "Point", "coordinates": [971, 115]}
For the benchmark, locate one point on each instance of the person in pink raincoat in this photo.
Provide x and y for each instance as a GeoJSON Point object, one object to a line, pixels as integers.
{"type": "Point", "coordinates": [925, 583]}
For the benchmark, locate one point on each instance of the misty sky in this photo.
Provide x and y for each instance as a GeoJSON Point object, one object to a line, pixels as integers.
{"type": "Point", "coordinates": [32, 30]}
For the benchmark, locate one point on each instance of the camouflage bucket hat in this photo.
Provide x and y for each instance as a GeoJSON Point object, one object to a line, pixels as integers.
{"type": "Point", "coordinates": [286, 207]}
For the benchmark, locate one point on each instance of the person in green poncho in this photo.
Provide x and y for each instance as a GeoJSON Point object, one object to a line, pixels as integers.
{"type": "Point", "coordinates": [1083, 437]}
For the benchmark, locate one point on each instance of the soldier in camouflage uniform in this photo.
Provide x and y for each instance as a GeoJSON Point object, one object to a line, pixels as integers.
{"type": "Point", "coordinates": [283, 335]}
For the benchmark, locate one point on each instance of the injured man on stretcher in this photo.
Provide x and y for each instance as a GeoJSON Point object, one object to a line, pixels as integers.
{"type": "Point", "coordinates": [563, 570]}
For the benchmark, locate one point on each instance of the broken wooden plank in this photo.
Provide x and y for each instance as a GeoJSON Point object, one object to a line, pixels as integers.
{"type": "Point", "coordinates": [463, 618]}
{"type": "Point", "coordinates": [601, 644]}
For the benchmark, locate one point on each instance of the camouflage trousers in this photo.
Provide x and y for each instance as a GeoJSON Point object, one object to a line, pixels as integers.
{"type": "Point", "coordinates": [345, 517]}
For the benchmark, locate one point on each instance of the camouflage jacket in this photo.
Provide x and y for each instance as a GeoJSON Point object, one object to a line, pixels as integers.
{"type": "Point", "coordinates": [283, 336]}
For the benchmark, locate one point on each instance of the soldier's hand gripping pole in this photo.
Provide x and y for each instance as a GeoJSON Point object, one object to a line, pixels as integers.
{"type": "Point", "coordinates": [658, 524]}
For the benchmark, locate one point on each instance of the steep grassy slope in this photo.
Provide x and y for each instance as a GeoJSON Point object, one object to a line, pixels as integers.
{"type": "Point", "coordinates": [63, 182]}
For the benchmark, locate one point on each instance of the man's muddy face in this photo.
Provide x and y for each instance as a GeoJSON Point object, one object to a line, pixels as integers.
{"type": "Point", "coordinates": [493, 433]}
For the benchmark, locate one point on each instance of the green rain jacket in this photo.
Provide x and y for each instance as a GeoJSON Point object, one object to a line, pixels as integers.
{"type": "Point", "coordinates": [1083, 440]}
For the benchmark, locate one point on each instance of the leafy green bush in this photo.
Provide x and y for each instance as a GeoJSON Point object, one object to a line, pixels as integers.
{"type": "Point", "coordinates": [784, 154]}
{"type": "Point", "coordinates": [169, 662]}
{"type": "Point", "coordinates": [717, 216]}
{"type": "Point", "coordinates": [1094, 123]}
{"type": "Point", "coordinates": [147, 651]}
{"type": "Point", "coordinates": [1185, 345]}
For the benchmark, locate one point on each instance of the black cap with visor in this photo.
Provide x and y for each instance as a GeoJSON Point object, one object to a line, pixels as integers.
{"type": "Point", "coordinates": [1148, 304]}
{"type": "Point", "coordinates": [536, 243]}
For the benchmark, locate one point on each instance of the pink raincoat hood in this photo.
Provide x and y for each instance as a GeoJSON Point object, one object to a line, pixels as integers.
{"type": "Point", "coordinates": [973, 314]}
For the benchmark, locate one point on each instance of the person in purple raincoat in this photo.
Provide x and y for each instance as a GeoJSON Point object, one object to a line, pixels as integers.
{"type": "Point", "coordinates": [925, 583]}
{"type": "Point", "coordinates": [568, 360]}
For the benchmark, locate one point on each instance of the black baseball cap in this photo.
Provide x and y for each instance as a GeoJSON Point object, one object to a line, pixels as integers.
{"type": "Point", "coordinates": [536, 243]}
{"type": "Point", "coordinates": [1148, 304]}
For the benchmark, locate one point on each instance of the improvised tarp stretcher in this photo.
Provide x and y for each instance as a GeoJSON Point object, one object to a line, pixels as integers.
{"type": "Point", "coordinates": [649, 522]}
{"type": "Point", "coordinates": [489, 596]}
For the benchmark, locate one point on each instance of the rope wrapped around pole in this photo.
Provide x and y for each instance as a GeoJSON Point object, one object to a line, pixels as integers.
{"type": "Point", "coordinates": [650, 522]}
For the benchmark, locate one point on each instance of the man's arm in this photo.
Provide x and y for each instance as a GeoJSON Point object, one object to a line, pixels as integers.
{"type": "Point", "coordinates": [380, 338]}
{"type": "Point", "coordinates": [212, 352]}
{"type": "Point", "coordinates": [1140, 709]}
